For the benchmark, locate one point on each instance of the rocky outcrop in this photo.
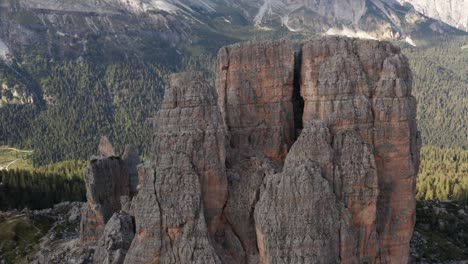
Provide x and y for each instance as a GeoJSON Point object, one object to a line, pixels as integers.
{"type": "Point", "coordinates": [61, 241]}
{"type": "Point", "coordinates": [106, 181]}
{"type": "Point", "coordinates": [323, 205]}
{"type": "Point", "coordinates": [111, 182]}
{"type": "Point", "coordinates": [441, 233]}
{"type": "Point", "coordinates": [297, 217]}
{"type": "Point", "coordinates": [178, 209]}
{"type": "Point", "coordinates": [299, 158]}
{"type": "Point", "coordinates": [105, 147]}
{"type": "Point", "coordinates": [255, 89]}
{"type": "Point", "coordinates": [116, 239]}
{"type": "Point", "coordinates": [365, 86]}
{"type": "Point", "coordinates": [132, 159]}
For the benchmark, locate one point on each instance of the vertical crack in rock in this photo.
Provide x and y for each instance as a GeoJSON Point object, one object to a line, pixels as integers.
{"type": "Point", "coordinates": [132, 159]}
{"type": "Point", "coordinates": [298, 101]}
{"type": "Point", "coordinates": [298, 216]}
{"type": "Point", "coordinates": [159, 208]}
{"type": "Point", "coordinates": [365, 86]}
{"type": "Point", "coordinates": [301, 157]}
{"type": "Point", "coordinates": [255, 93]}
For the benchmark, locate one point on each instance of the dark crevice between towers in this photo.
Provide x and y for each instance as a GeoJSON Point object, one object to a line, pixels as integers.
{"type": "Point", "coordinates": [298, 101]}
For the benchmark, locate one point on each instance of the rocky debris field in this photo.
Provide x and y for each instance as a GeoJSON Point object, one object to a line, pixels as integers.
{"type": "Point", "coordinates": [440, 236]}
{"type": "Point", "coordinates": [27, 236]}
{"type": "Point", "coordinates": [441, 233]}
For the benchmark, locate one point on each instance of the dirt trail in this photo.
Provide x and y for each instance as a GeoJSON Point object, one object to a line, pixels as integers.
{"type": "Point", "coordinates": [17, 150]}
{"type": "Point", "coordinates": [11, 163]}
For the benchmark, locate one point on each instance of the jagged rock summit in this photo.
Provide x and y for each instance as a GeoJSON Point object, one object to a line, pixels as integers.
{"type": "Point", "coordinates": [306, 156]}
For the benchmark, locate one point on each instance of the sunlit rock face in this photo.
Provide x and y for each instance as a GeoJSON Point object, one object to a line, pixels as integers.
{"type": "Point", "coordinates": [305, 155]}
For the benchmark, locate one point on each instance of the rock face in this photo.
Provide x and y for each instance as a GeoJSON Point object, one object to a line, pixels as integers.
{"type": "Point", "coordinates": [106, 181]}
{"type": "Point", "coordinates": [255, 89]}
{"type": "Point", "coordinates": [116, 239]}
{"type": "Point", "coordinates": [299, 157]}
{"type": "Point", "coordinates": [105, 147]}
{"type": "Point", "coordinates": [178, 210]}
{"type": "Point", "coordinates": [365, 86]}
{"type": "Point", "coordinates": [132, 159]}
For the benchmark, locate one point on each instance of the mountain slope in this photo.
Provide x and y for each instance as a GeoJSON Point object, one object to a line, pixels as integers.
{"type": "Point", "coordinates": [452, 12]}
{"type": "Point", "coordinates": [71, 71]}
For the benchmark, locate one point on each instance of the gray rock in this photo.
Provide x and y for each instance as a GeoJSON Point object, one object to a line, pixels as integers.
{"type": "Point", "coordinates": [229, 182]}
{"type": "Point", "coordinates": [115, 241]}
{"type": "Point", "coordinates": [106, 181]}
{"type": "Point", "coordinates": [105, 147]}
{"type": "Point", "coordinates": [183, 190]}
{"type": "Point", "coordinates": [132, 159]}
{"type": "Point", "coordinates": [298, 216]}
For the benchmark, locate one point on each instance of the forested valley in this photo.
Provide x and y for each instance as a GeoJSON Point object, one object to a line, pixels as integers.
{"type": "Point", "coordinates": [42, 187]}
{"type": "Point", "coordinates": [78, 100]}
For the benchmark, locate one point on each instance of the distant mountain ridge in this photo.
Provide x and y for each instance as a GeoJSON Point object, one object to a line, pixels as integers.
{"type": "Point", "coordinates": [173, 21]}
{"type": "Point", "coordinates": [110, 58]}
{"type": "Point", "coordinates": [452, 12]}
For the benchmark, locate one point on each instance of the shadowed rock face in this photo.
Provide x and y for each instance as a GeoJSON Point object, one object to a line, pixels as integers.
{"type": "Point", "coordinates": [231, 181]}
{"type": "Point", "coordinates": [106, 181]}
{"type": "Point", "coordinates": [132, 159]}
{"type": "Point", "coordinates": [113, 245]}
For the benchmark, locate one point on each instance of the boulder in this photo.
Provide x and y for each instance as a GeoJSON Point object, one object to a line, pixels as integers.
{"type": "Point", "coordinates": [115, 241]}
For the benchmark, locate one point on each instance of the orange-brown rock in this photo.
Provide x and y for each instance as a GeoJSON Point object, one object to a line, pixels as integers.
{"type": "Point", "coordinates": [178, 208]}
{"type": "Point", "coordinates": [306, 157]}
{"type": "Point", "coordinates": [365, 86]}
{"type": "Point", "coordinates": [255, 94]}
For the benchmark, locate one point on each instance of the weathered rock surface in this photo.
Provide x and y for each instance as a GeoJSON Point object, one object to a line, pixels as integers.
{"type": "Point", "coordinates": [298, 216]}
{"type": "Point", "coordinates": [365, 86]}
{"type": "Point", "coordinates": [298, 158]}
{"type": "Point", "coordinates": [441, 233]}
{"type": "Point", "coordinates": [255, 89]}
{"type": "Point", "coordinates": [61, 244]}
{"type": "Point", "coordinates": [105, 147]}
{"type": "Point", "coordinates": [255, 94]}
{"type": "Point", "coordinates": [106, 181]}
{"type": "Point", "coordinates": [335, 221]}
{"type": "Point", "coordinates": [115, 241]}
{"type": "Point", "coordinates": [178, 210]}
{"type": "Point", "coordinates": [132, 159]}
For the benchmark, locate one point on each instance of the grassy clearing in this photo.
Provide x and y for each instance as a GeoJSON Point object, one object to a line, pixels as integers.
{"type": "Point", "coordinates": [11, 159]}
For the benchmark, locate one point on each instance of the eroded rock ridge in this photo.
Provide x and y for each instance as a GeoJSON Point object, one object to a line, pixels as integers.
{"type": "Point", "coordinates": [306, 156]}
